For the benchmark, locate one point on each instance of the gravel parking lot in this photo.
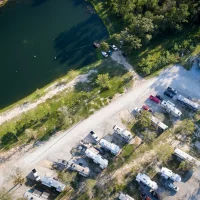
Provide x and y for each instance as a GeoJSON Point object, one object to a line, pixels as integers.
{"type": "Point", "coordinates": [102, 122]}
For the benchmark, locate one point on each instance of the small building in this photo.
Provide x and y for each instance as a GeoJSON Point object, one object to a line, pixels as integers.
{"type": "Point", "coordinates": [171, 108]}
{"type": "Point", "coordinates": [103, 163]}
{"type": "Point", "coordinates": [143, 178]}
{"type": "Point", "coordinates": [158, 124]}
{"type": "Point", "coordinates": [125, 197]}
{"type": "Point", "coordinates": [84, 171]}
{"type": "Point", "coordinates": [124, 133]}
{"type": "Point", "coordinates": [52, 183]}
{"type": "Point", "coordinates": [113, 148]}
{"type": "Point", "coordinates": [184, 156]}
{"type": "Point", "coordinates": [189, 103]}
{"type": "Point", "coordinates": [167, 173]}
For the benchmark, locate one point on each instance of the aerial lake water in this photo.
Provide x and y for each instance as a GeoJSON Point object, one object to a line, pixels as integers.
{"type": "Point", "coordinates": [41, 40]}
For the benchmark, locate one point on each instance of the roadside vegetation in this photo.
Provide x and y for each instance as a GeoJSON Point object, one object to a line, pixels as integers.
{"type": "Point", "coordinates": [154, 34]}
{"type": "Point", "coordinates": [67, 108]}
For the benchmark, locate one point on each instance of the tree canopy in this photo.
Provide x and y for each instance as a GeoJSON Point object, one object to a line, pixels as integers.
{"type": "Point", "coordinates": [103, 81]}
{"type": "Point", "coordinates": [145, 19]}
{"type": "Point", "coordinates": [144, 120]}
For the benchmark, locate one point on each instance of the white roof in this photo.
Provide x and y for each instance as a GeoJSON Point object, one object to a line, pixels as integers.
{"type": "Point", "coordinates": [125, 197]}
{"type": "Point", "coordinates": [171, 107]}
{"type": "Point", "coordinates": [50, 182]}
{"type": "Point", "coordinates": [186, 156]}
{"type": "Point", "coordinates": [167, 173]}
{"type": "Point", "coordinates": [146, 180]}
{"type": "Point", "coordinates": [110, 146]}
{"type": "Point", "coordinates": [96, 158]}
{"type": "Point", "coordinates": [123, 132]}
{"type": "Point", "coordinates": [158, 123]}
{"type": "Point", "coordinates": [188, 101]}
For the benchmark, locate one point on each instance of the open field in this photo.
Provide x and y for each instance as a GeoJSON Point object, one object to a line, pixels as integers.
{"type": "Point", "coordinates": [101, 122]}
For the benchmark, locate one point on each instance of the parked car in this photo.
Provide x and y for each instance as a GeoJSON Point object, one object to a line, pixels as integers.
{"type": "Point", "coordinates": [143, 196]}
{"type": "Point", "coordinates": [172, 90]}
{"type": "Point", "coordinates": [145, 107]}
{"type": "Point", "coordinates": [156, 195]}
{"type": "Point", "coordinates": [94, 136]}
{"type": "Point", "coordinates": [137, 110]}
{"type": "Point", "coordinates": [159, 97]}
{"type": "Point", "coordinates": [169, 94]}
{"type": "Point", "coordinates": [109, 52]}
{"type": "Point", "coordinates": [113, 47]}
{"type": "Point", "coordinates": [104, 54]}
{"type": "Point", "coordinates": [173, 187]}
{"type": "Point", "coordinates": [155, 99]}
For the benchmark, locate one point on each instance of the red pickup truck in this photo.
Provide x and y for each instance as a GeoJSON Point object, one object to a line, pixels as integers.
{"type": "Point", "coordinates": [155, 99]}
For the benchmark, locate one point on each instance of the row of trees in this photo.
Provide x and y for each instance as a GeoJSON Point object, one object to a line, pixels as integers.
{"type": "Point", "coordinates": [145, 19]}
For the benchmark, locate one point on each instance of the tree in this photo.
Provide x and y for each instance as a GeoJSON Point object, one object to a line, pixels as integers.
{"type": "Point", "coordinates": [185, 166]}
{"type": "Point", "coordinates": [144, 119]}
{"type": "Point", "coordinates": [8, 138]}
{"type": "Point", "coordinates": [186, 127]}
{"type": "Point", "coordinates": [104, 46]}
{"type": "Point", "coordinates": [149, 137]}
{"type": "Point", "coordinates": [103, 81]}
{"type": "Point", "coordinates": [117, 37]}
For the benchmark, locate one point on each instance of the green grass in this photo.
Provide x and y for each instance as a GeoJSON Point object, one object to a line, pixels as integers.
{"type": "Point", "coordinates": [67, 108]}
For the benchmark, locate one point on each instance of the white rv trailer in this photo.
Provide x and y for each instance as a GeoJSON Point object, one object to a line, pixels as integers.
{"type": "Point", "coordinates": [96, 158]}
{"type": "Point", "coordinates": [113, 148]}
{"type": "Point", "coordinates": [189, 103]}
{"type": "Point", "coordinates": [184, 156]}
{"type": "Point", "coordinates": [167, 173]}
{"type": "Point", "coordinates": [158, 124]}
{"type": "Point", "coordinates": [147, 181]}
{"type": "Point", "coordinates": [171, 108]}
{"type": "Point", "coordinates": [50, 182]}
{"type": "Point", "coordinates": [123, 133]}
{"type": "Point", "coordinates": [125, 197]}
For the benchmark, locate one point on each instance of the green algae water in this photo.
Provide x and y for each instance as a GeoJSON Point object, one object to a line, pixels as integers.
{"type": "Point", "coordinates": [41, 40]}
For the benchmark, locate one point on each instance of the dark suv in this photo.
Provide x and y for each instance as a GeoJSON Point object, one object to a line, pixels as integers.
{"type": "Point", "coordinates": [172, 90]}
{"type": "Point", "coordinates": [169, 94]}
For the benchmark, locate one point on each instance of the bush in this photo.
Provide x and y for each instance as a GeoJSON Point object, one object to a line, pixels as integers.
{"type": "Point", "coordinates": [8, 138]}
{"type": "Point", "coordinates": [185, 166]}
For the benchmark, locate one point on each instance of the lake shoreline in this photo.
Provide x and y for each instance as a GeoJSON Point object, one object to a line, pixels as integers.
{"type": "Point", "coordinates": [2, 3]}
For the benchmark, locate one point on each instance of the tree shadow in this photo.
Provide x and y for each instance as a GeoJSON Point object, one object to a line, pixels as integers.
{"type": "Point", "coordinates": [74, 46]}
